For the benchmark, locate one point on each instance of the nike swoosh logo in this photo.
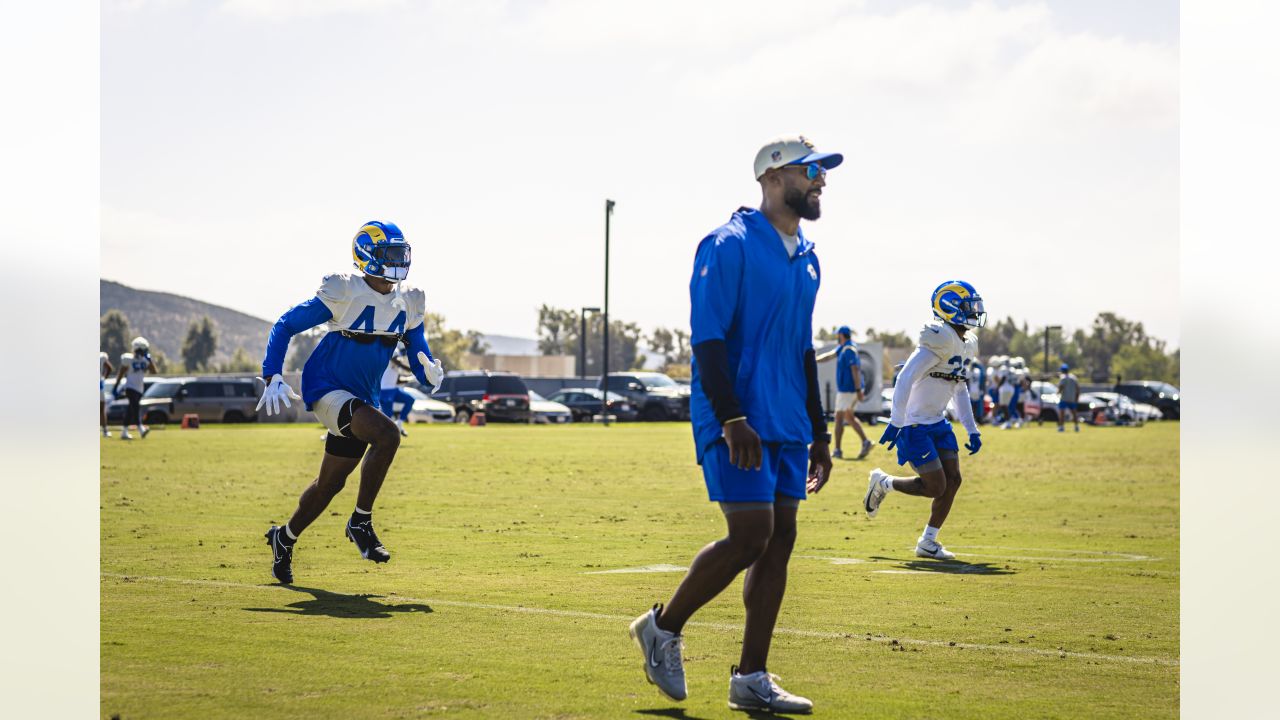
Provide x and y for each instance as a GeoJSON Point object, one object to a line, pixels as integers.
{"type": "Point", "coordinates": [653, 653]}
{"type": "Point", "coordinates": [935, 332]}
{"type": "Point", "coordinates": [762, 698]}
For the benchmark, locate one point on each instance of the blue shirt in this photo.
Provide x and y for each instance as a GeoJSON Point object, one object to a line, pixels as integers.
{"type": "Point", "coordinates": [747, 292]}
{"type": "Point", "coordinates": [846, 360]}
{"type": "Point", "coordinates": [338, 362]}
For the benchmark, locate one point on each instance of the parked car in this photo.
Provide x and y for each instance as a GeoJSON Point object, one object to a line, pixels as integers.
{"type": "Point", "coordinates": [425, 408]}
{"type": "Point", "coordinates": [1114, 408]}
{"type": "Point", "coordinates": [548, 412]}
{"type": "Point", "coordinates": [117, 403]}
{"type": "Point", "coordinates": [501, 396]}
{"type": "Point", "coordinates": [657, 396]}
{"type": "Point", "coordinates": [1160, 394]}
{"type": "Point", "coordinates": [211, 399]}
{"type": "Point", "coordinates": [584, 403]}
{"type": "Point", "coordinates": [1042, 402]}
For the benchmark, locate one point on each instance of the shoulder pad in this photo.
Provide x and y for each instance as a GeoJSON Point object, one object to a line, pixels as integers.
{"type": "Point", "coordinates": [415, 302]}
{"type": "Point", "coordinates": [102, 356]}
{"type": "Point", "coordinates": [335, 288]}
{"type": "Point", "coordinates": [939, 339]}
{"type": "Point", "coordinates": [126, 357]}
{"type": "Point", "coordinates": [971, 344]}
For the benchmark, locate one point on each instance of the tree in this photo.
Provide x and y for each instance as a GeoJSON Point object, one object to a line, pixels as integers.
{"type": "Point", "coordinates": [240, 362]}
{"type": "Point", "coordinates": [450, 346]}
{"type": "Point", "coordinates": [673, 344]}
{"type": "Point", "coordinates": [559, 331]}
{"type": "Point", "coordinates": [890, 340]}
{"type": "Point", "coordinates": [200, 345]}
{"type": "Point", "coordinates": [113, 335]}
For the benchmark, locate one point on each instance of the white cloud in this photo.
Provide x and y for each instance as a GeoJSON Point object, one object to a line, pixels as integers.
{"type": "Point", "coordinates": [277, 10]}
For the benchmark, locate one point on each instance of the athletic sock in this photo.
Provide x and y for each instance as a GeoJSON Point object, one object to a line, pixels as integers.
{"type": "Point", "coordinates": [360, 516]}
{"type": "Point", "coordinates": [886, 482]}
{"type": "Point", "coordinates": [289, 538]}
{"type": "Point", "coordinates": [930, 533]}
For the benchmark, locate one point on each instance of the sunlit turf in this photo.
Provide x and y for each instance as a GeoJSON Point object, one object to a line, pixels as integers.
{"type": "Point", "coordinates": [1065, 604]}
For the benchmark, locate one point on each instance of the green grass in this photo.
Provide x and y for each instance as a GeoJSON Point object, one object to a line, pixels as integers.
{"type": "Point", "coordinates": [1068, 606]}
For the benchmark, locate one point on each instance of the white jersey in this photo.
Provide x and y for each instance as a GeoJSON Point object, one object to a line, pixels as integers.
{"type": "Point", "coordinates": [932, 376]}
{"type": "Point", "coordinates": [356, 307]}
{"type": "Point", "coordinates": [137, 369]}
{"type": "Point", "coordinates": [390, 377]}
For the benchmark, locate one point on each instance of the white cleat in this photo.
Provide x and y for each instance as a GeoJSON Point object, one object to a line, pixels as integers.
{"type": "Point", "coordinates": [760, 691]}
{"type": "Point", "coordinates": [875, 492]}
{"type": "Point", "coordinates": [663, 659]}
{"type": "Point", "coordinates": [933, 549]}
{"type": "Point", "coordinates": [144, 430]}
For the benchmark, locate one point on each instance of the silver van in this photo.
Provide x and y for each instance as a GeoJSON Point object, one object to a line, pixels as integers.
{"type": "Point", "coordinates": [212, 399]}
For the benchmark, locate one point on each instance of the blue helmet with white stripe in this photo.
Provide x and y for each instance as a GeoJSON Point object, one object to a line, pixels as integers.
{"type": "Point", "coordinates": [957, 302]}
{"type": "Point", "coordinates": [379, 249]}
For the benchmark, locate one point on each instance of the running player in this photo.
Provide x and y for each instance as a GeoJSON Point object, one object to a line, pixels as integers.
{"type": "Point", "coordinates": [368, 313]}
{"type": "Point", "coordinates": [133, 368]}
{"type": "Point", "coordinates": [933, 376]}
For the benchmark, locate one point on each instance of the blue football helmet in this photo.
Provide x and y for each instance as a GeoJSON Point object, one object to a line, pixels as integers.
{"type": "Point", "coordinates": [380, 250]}
{"type": "Point", "coordinates": [956, 302]}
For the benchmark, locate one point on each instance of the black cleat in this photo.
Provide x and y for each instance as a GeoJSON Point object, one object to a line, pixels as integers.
{"type": "Point", "coordinates": [367, 541]}
{"type": "Point", "coordinates": [282, 567]}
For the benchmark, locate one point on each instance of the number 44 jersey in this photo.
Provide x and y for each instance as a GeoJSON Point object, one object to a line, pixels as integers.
{"type": "Point", "coordinates": [940, 362]}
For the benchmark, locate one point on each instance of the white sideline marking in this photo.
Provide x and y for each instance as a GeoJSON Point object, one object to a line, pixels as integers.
{"type": "Point", "coordinates": [713, 626]}
{"type": "Point", "coordinates": [832, 560]}
{"type": "Point", "coordinates": [659, 568]}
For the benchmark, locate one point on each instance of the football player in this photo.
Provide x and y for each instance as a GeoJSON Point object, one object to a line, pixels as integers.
{"type": "Point", "coordinates": [933, 376]}
{"type": "Point", "coordinates": [391, 392]}
{"type": "Point", "coordinates": [368, 313]}
{"type": "Point", "coordinates": [133, 368]}
{"type": "Point", "coordinates": [105, 368]}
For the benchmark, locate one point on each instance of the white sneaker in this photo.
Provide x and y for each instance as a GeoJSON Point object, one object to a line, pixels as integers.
{"type": "Point", "coordinates": [663, 661]}
{"type": "Point", "coordinates": [143, 430]}
{"type": "Point", "coordinates": [124, 435]}
{"type": "Point", "coordinates": [875, 492]}
{"type": "Point", "coordinates": [400, 427]}
{"type": "Point", "coordinates": [933, 549]}
{"type": "Point", "coordinates": [760, 691]}
{"type": "Point", "coordinates": [106, 432]}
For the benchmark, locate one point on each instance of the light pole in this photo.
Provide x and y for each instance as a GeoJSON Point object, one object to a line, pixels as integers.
{"type": "Point", "coordinates": [582, 341]}
{"type": "Point", "coordinates": [1046, 346]}
{"type": "Point", "coordinates": [604, 375]}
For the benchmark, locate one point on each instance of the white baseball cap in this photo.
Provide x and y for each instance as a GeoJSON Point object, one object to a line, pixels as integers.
{"type": "Point", "coordinates": [792, 150]}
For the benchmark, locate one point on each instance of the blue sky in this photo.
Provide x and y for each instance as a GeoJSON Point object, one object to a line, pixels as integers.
{"type": "Point", "coordinates": [1029, 148]}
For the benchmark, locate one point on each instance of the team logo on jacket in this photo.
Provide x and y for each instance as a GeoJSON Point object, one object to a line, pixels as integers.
{"type": "Point", "coordinates": [813, 273]}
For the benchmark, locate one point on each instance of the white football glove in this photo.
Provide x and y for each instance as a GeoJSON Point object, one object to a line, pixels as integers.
{"type": "Point", "coordinates": [433, 370]}
{"type": "Point", "coordinates": [276, 391]}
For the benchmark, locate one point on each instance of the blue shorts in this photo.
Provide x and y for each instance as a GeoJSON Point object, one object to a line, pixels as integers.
{"type": "Point", "coordinates": [390, 396]}
{"type": "Point", "coordinates": [1064, 405]}
{"type": "Point", "coordinates": [783, 471]}
{"type": "Point", "coordinates": [922, 444]}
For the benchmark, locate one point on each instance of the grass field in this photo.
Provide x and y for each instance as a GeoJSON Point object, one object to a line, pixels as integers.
{"type": "Point", "coordinates": [496, 603]}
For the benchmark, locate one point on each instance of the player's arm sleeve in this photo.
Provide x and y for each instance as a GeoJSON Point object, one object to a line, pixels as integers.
{"type": "Point", "coordinates": [300, 317]}
{"type": "Point", "coordinates": [813, 397]}
{"type": "Point", "coordinates": [918, 364]}
{"type": "Point", "coordinates": [713, 374]}
{"type": "Point", "coordinates": [964, 407]}
{"type": "Point", "coordinates": [416, 341]}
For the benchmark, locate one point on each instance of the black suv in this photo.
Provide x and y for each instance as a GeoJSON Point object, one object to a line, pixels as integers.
{"type": "Point", "coordinates": [1163, 396]}
{"type": "Point", "coordinates": [655, 395]}
{"type": "Point", "coordinates": [501, 396]}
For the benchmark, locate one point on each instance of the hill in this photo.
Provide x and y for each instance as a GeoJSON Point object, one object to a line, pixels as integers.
{"type": "Point", "coordinates": [163, 319]}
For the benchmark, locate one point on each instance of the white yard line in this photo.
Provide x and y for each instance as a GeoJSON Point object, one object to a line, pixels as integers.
{"type": "Point", "coordinates": [714, 626]}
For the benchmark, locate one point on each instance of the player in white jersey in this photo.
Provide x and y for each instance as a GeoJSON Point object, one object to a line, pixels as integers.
{"type": "Point", "coordinates": [933, 377]}
{"type": "Point", "coordinates": [105, 368]}
{"type": "Point", "coordinates": [133, 368]}
{"type": "Point", "coordinates": [369, 313]}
